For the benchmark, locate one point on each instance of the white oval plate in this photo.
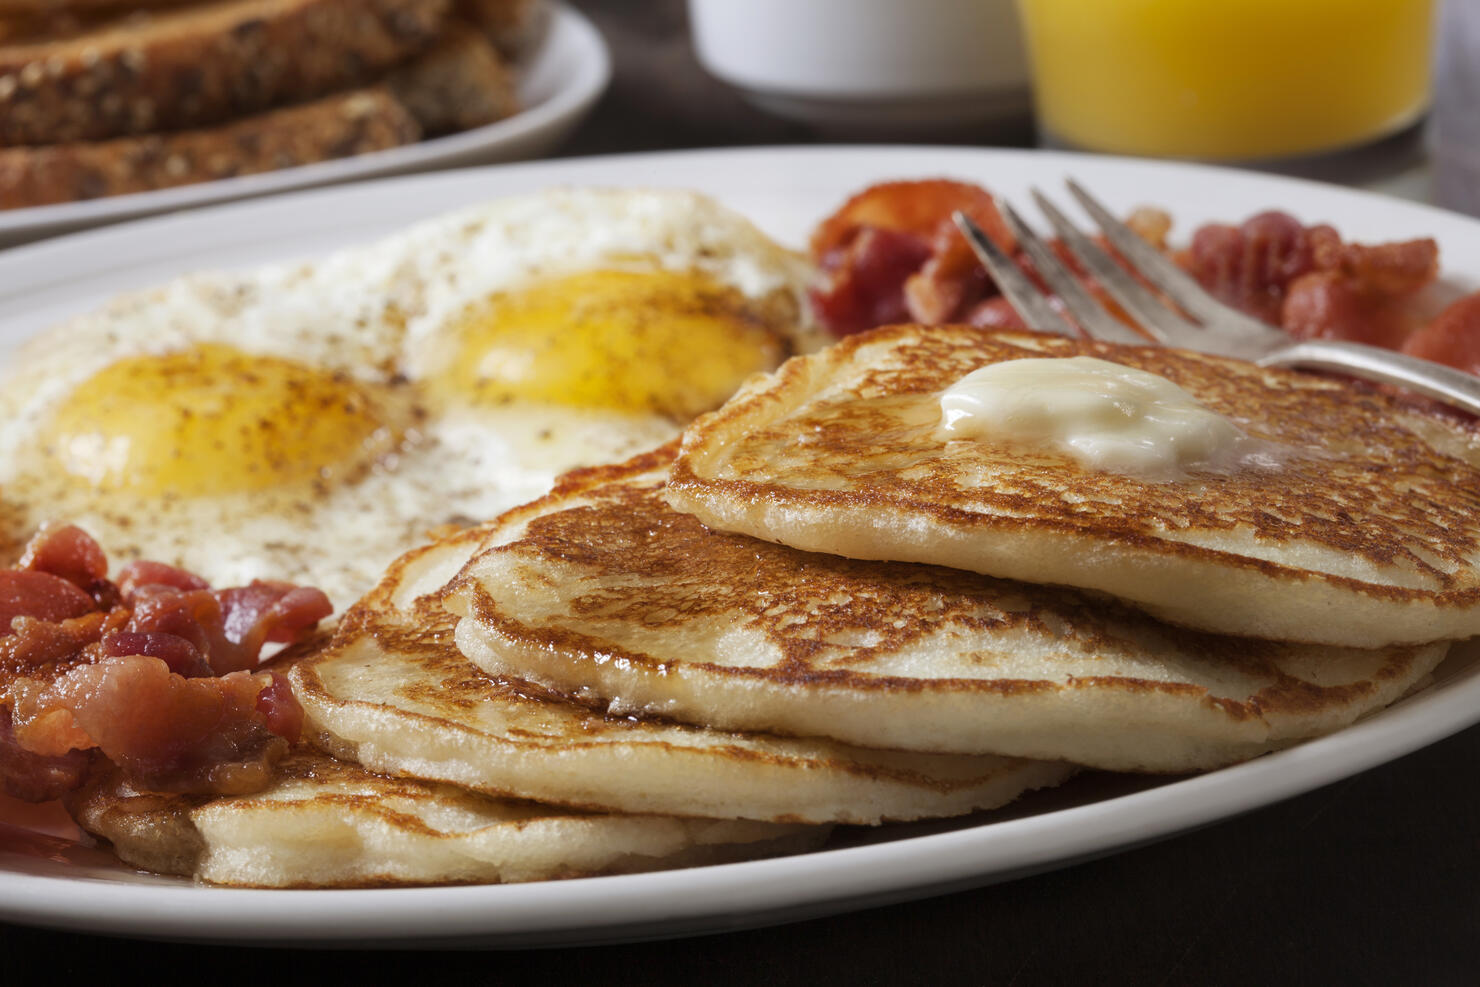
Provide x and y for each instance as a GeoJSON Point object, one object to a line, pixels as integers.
{"type": "Point", "coordinates": [561, 82]}
{"type": "Point", "coordinates": [785, 191]}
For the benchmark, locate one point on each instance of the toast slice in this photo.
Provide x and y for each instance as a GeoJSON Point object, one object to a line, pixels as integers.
{"type": "Point", "coordinates": [192, 66]}
{"type": "Point", "coordinates": [337, 126]}
{"type": "Point", "coordinates": [459, 83]}
{"type": "Point", "coordinates": [35, 8]}
{"type": "Point", "coordinates": [516, 27]}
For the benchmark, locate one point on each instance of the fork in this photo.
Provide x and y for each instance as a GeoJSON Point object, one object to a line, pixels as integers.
{"type": "Point", "coordinates": [1197, 322]}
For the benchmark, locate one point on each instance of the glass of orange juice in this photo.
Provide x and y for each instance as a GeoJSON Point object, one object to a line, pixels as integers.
{"type": "Point", "coordinates": [1227, 79]}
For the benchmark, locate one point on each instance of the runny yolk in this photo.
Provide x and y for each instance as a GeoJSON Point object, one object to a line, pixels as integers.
{"type": "Point", "coordinates": [637, 341]}
{"type": "Point", "coordinates": [213, 420]}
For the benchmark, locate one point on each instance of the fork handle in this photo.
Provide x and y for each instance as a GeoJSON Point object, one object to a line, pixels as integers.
{"type": "Point", "coordinates": [1453, 387]}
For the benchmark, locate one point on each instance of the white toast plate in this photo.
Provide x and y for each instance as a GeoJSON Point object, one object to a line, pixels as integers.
{"type": "Point", "coordinates": [561, 82]}
{"type": "Point", "coordinates": [50, 883]}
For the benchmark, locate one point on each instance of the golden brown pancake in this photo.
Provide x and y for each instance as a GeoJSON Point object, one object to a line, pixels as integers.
{"type": "Point", "coordinates": [1365, 533]}
{"type": "Point", "coordinates": [605, 589]}
{"type": "Point", "coordinates": [393, 693]}
{"type": "Point", "coordinates": [325, 823]}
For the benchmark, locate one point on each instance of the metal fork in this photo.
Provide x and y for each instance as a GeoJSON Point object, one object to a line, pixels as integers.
{"type": "Point", "coordinates": [1208, 325]}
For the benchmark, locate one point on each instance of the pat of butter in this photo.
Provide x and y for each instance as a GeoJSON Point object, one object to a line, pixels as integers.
{"type": "Point", "coordinates": [1103, 415]}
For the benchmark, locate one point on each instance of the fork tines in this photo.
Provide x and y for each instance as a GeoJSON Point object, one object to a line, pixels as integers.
{"type": "Point", "coordinates": [1158, 313]}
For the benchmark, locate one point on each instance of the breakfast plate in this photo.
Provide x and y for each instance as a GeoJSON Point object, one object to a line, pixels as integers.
{"type": "Point", "coordinates": [49, 880]}
{"type": "Point", "coordinates": [561, 82]}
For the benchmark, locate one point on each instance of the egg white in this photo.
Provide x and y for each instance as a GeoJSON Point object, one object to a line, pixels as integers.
{"type": "Point", "coordinates": [375, 313]}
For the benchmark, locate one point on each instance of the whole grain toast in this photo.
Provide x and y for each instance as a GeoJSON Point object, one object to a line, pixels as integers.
{"type": "Point", "coordinates": [186, 67]}
{"type": "Point", "coordinates": [515, 27]}
{"type": "Point", "coordinates": [458, 83]}
{"type": "Point", "coordinates": [12, 8]}
{"type": "Point", "coordinates": [336, 126]}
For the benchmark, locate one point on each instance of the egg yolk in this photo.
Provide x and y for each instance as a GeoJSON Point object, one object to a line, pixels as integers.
{"type": "Point", "coordinates": [213, 420]}
{"type": "Point", "coordinates": [659, 341]}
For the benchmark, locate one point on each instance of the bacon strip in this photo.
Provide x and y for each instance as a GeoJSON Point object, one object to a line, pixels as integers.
{"type": "Point", "coordinates": [891, 254]}
{"type": "Point", "coordinates": [1310, 282]}
{"type": "Point", "coordinates": [863, 283]}
{"type": "Point", "coordinates": [1453, 337]}
{"type": "Point", "coordinates": [150, 673]}
{"type": "Point", "coordinates": [264, 612]}
{"type": "Point", "coordinates": [33, 777]}
{"type": "Point", "coordinates": [171, 733]}
{"type": "Point", "coordinates": [27, 593]}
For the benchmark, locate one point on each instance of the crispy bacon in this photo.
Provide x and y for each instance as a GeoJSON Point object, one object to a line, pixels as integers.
{"type": "Point", "coordinates": [891, 253]}
{"type": "Point", "coordinates": [28, 593]}
{"type": "Point", "coordinates": [136, 576]}
{"type": "Point", "coordinates": [1310, 282]}
{"type": "Point", "coordinates": [863, 283]}
{"type": "Point", "coordinates": [149, 673]}
{"type": "Point", "coordinates": [280, 709]}
{"type": "Point", "coordinates": [1330, 305]}
{"type": "Point", "coordinates": [68, 552]}
{"type": "Point", "coordinates": [1250, 266]}
{"type": "Point", "coordinates": [1452, 338]}
{"type": "Point", "coordinates": [996, 313]}
{"type": "Point", "coordinates": [908, 207]}
{"type": "Point", "coordinates": [33, 777]}
{"type": "Point", "coordinates": [952, 280]}
{"type": "Point", "coordinates": [227, 627]}
{"type": "Point", "coordinates": [178, 653]}
{"type": "Point", "coordinates": [263, 612]}
{"type": "Point", "coordinates": [1392, 269]}
{"type": "Point", "coordinates": [43, 647]}
{"type": "Point", "coordinates": [170, 732]}
{"type": "Point", "coordinates": [1151, 225]}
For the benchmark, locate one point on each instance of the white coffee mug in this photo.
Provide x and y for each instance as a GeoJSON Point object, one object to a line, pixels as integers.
{"type": "Point", "coordinates": [880, 64]}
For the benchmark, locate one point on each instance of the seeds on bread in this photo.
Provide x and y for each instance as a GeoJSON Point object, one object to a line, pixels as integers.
{"type": "Point", "coordinates": [193, 66]}
{"type": "Point", "coordinates": [333, 127]}
{"type": "Point", "coordinates": [515, 27]}
{"type": "Point", "coordinates": [458, 83]}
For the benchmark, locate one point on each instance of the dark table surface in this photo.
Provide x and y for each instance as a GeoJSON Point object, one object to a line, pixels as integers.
{"type": "Point", "coordinates": [1373, 880]}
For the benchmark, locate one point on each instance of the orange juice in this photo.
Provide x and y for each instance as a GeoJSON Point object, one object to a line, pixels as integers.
{"type": "Point", "coordinates": [1227, 79]}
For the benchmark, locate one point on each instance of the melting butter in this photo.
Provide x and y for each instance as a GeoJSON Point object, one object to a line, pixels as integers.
{"type": "Point", "coordinates": [1103, 415]}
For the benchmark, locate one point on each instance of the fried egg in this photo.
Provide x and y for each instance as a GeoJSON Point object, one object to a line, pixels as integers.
{"type": "Point", "coordinates": [310, 422]}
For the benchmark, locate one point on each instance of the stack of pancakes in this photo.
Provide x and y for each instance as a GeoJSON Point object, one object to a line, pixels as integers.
{"type": "Point", "coordinates": [817, 611]}
{"type": "Point", "coordinates": [104, 97]}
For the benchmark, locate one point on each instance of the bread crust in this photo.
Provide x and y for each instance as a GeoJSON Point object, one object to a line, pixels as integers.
{"type": "Point", "coordinates": [10, 7]}
{"type": "Point", "coordinates": [459, 83]}
{"type": "Point", "coordinates": [335, 126]}
{"type": "Point", "coordinates": [516, 27]}
{"type": "Point", "coordinates": [176, 69]}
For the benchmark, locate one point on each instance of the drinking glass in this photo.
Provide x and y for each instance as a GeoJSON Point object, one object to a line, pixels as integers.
{"type": "Point", "coordinates": [1227, 80]}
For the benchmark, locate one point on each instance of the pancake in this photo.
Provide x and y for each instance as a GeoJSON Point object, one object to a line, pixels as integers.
{"type": "Point", "coordinates": [1366, 532]}
{"type": "Point", "coordinates": [393, 693]}
{"type": "Point", "coordinates": [607, 590]}
{"type": "Point", "coordinates": [324, 823]}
